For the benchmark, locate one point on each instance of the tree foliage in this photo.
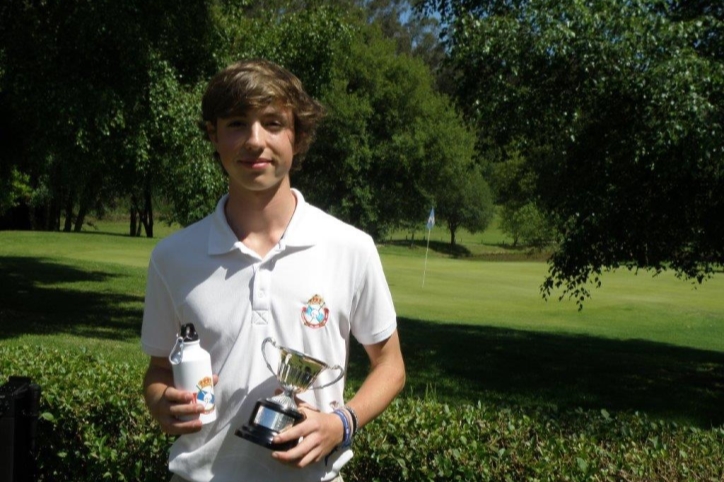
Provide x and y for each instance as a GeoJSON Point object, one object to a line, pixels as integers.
{"type": "Point", "coordinates": [79, 77]}
{"type": "Point", "coordinates": [465, 201]}
{"type": "Point", "coordinates": [618, 107]}
{"type": "Point", "coordinates": [123, 83]}
{"type": "Point", "coordinates": [520, 217]}
{"type": "Point", "coordinates": [403, 148]}
{"type": "Point", "coordinates": [380, 155]}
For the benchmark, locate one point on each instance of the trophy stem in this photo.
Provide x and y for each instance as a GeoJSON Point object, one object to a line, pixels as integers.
{"type": "Point", "coordinates": [285, 399]}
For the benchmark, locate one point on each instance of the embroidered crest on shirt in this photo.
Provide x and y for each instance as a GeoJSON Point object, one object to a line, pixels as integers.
{"type": "Point", "coordinates": [315, 313]}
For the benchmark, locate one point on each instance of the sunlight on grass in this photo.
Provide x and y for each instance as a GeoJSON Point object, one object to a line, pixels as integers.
{"type": "Point", "coordinates": [499, 294]}
{"type": "Point", "coordinates": [100, 248]}
{"type": "Point", "coordinates": [627, 306]}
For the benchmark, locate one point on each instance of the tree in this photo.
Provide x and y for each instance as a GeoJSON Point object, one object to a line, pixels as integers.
{"type": "Point", "coordinates": [78, 77]}
{"type": "Point", "coordinates": [526, 224]}
{"type": "Point", "coordinates": [379, 152]}
{"type": "Point", "coordinates": [465, 202]}
{"type": "Point", "coordinates": [14, 184]}
{"type": "Point", "coordinates": [123, 81]}
{"type": "Point", "coordinates": [620, 108]}
{"type": "Point", "coordinates": [514, 183]}
{"type": "Point", "coordinates": [377, 101]}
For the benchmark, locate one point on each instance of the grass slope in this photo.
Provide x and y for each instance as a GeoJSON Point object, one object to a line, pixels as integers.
{"type": "Point", "coordinates": [477, 330]}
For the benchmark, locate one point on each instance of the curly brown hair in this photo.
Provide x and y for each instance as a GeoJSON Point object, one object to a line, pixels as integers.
{"type": "Point", "coordinates": [255, 83]}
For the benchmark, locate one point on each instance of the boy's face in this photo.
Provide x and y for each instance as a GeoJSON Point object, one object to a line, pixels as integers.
{"type": "Point", "coordinates": [256, 148]}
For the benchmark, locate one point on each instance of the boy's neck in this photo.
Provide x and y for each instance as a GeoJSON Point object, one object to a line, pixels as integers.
{"type": "Point", "coordinates": [259, 218]}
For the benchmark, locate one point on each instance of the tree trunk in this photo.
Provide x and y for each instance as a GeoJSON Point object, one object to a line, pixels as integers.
{"type": "Point", "coordinates": [136, 217]}
{"type": "Point", "coordinates": [87, 199]}
{"type": "Point", "coordinates": [148, 209]}
{"type": "Point", "coordinates": [68, 213]}
{"type": "Point", "coordinates": [46, 216]}
{"type": "Point", "coordinates": [132, 227]}
{"type": "Point", "coordinates": [53, 221]}
{"type": "Point", "coordinates": [80, 217]}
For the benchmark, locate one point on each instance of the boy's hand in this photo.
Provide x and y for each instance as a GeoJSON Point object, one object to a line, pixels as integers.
{"type": "Point", "coordinates": [321, 433]}
{"type": "Point", "coordinates": [166, 404]}
{"type": "Point", "coordinates": [174, 404]}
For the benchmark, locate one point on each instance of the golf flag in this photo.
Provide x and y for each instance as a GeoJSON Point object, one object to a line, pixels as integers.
{"type": "Point", "coordinates": [430, 224]}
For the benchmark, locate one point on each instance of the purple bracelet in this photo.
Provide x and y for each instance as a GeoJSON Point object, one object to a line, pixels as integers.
{"type": "Point", "coordinates": [345, 423]}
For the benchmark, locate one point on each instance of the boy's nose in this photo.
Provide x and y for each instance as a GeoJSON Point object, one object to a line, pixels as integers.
{"type": "Point", "coordinates": [256, 135]}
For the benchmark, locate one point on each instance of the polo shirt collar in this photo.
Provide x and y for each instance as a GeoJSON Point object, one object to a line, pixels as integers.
{"type": "Point", "coordinates": [223, 240]}
{"type": "Point", "coordinates": [298, 234]}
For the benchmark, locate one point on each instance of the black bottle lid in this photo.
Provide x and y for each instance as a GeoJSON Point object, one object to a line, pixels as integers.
{"type": "Point", "coordinates": [188, 332]}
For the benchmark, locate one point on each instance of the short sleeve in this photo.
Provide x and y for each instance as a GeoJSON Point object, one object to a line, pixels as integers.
{"type": "Point", "coordinates": [160, 322]}
{"type": "Point", "coordinates": [373, 319]}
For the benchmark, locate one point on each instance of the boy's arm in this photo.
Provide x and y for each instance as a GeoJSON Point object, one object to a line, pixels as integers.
{"type": "Point", "coordinates": [323, 431]}
{"type": "Point", "coordinates": [165, 403]}
{"type": "Point", "coordinates": [385, 380]}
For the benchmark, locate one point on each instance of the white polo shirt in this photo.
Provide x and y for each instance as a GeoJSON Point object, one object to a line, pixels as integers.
{"type": "Point", "coordinates": [322, 282]}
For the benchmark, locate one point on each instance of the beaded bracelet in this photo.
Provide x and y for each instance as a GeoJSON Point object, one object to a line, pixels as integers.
{"type": "Point", "coordinates": [347, 441]}
{"type": "Point", "coordinates": [355, 422]}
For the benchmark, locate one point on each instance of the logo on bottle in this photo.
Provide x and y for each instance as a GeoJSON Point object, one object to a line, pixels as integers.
{"type": "Point", "coordinates": [205, 394]}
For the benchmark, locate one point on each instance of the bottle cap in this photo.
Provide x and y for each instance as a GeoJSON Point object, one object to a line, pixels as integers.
{"type": "Point", "coordinates": [188, 332]}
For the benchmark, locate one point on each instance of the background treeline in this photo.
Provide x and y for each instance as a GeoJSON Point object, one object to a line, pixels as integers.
{"type": "Point", "coordinates": [101, 101]}
{"type": "Point", "coordinates": [595, 126]}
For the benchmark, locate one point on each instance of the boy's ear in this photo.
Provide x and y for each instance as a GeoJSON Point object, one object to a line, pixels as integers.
{"type": "Point", "coordinates": [211, 131]}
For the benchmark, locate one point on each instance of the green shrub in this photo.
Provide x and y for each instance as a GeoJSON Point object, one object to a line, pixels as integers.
{"type": "Point", "coordinates": [95, 426]}
{"type": "Point", "coordinates": [428, 441]}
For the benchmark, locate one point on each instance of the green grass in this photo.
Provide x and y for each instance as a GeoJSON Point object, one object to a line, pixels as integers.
{"type": "Point", "coordinates": [73, 290]}
{"type": "Point", "coordinates": [506, 295]}
{"type": "Point", "coordinates": [477, 330]}
{"type": "Point", "coordinates": [480, 330]}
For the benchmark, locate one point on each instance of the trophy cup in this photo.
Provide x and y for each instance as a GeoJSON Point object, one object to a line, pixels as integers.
{"type": "Point", "coordinates": [296, 373]}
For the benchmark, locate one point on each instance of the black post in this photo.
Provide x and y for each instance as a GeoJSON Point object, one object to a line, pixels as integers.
{"type": "Point", "coordinates": [19, 412]}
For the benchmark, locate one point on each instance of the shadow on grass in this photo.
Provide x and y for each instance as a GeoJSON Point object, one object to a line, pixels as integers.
{"type": "Point", "coordinates": [457, 251]}
{"type": "Point", "coordinates": [39, 296]}
{"type": "Point", "coordinates": [463, 363]}
{"type": "Point", "coordinates": [110, 233]}
{"type": "Point", "coordinates": [461, 251]}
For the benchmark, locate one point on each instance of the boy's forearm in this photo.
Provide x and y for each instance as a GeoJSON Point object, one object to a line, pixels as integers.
{"type": "Point", "coordinates": [384, 382]}
{"type": "Point", "coordinates": [321, 432]}
{"type": "Point", "coordinates": [157, 379]}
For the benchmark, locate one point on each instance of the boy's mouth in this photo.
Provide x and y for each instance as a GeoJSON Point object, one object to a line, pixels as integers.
{"type": "Point", "coordinates": [256, 162]}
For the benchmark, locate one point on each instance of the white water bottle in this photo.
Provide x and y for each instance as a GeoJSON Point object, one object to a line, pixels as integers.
{"type": "Point", "coordinates": [191, 366]}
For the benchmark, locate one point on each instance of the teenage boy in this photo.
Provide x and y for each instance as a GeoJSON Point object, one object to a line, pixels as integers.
{"type": "Point", "coordinates": [266, 263]}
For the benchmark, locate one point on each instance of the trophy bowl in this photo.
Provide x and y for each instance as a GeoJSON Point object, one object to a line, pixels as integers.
{"type": "Point", "coordinates": [296, 373]}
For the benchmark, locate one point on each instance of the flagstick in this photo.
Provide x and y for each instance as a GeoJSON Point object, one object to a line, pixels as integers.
{"type": "Point", "coordinates": [426, 250]}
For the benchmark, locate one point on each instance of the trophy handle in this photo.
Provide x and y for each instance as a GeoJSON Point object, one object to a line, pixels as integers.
{"type": "Point", "coordinates": [263, 352]}
{"type": "Point", "coordinates": [339, 377]}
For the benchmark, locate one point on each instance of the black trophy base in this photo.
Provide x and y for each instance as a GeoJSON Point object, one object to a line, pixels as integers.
{"type": "Point", "coordinates": [267, 420]}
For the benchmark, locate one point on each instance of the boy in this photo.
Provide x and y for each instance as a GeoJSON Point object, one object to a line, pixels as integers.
{"type": "Point", "coordinates": [252, 270]}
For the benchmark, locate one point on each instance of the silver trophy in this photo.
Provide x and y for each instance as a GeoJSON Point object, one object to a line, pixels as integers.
{"type": "Point", "coordinates": [296, 373]}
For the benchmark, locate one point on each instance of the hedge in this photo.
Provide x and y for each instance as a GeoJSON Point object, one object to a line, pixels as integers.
{"type": "Point", "coordinates": [94, 426]}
